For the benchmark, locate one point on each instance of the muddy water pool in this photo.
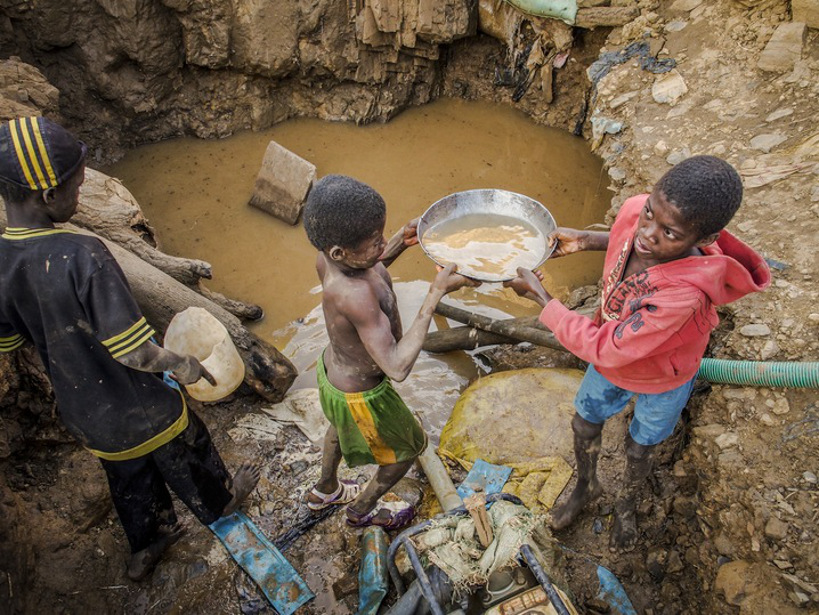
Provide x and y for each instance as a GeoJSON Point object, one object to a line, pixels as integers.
{"type": "Point", "coordinates": [195, 194]}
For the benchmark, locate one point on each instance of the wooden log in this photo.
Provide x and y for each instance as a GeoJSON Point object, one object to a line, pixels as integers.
{"type": "Point", "coordinates": [160, 297]}
{"type": "Point", "coordinates": [605, 16]}
{"type": "Point", "coordinates": [463, 338]}
{"type": "Point", "coordinates": [534, 333]}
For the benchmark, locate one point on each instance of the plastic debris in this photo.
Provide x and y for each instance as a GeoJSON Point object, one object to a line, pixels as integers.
{"type": "Point", "coordinates": [372, 575]}
{"type": "Point", "coordinates": [280, 583]}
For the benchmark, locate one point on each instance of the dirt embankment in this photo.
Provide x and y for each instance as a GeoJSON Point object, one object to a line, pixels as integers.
{"type": "Point", "coordinates": [730, 525]}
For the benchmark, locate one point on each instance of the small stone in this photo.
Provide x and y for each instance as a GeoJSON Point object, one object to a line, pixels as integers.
{"type": "Point", "coordinates": [597, 526]}
{"type": "Point", "coordinates": [685, 6]}
{"type": "Point", "coordinates": [755, 330]}
{"type": "Point", "coordinates": [766, 142]}
{"type": "Point", "coordinates": [676, 26]}
{"type": "Point", "coordinates": [617, 174]}
{"type": "Point", "coordinates": [661, 148]}
{"type": "Point", "coordinates": [779, 114]}
{"type": "Point", "coordinates": [674, 563]}
{"type": "Point", "coordinates": [767, 419]}
{"type": "Point", "coordinates": [809, 477]}
{"type": "Point", "coordinates": [770, 349]}
{"type": "Point", "coordinates": [776, 529]}
{"type": "Point", "coordinates": [732, 579]}
{"type": "Point", "coordinates": [677, 156]}
{"type": "Point", "coordinates": [727, 440]}
{"type": "Point", "coordinates": [782, 564]}
{"type": "Point", "coordinates": [813, 317]}
{"type": "Point", "coordinates": [800, 598]}
{"type": "Point", "coordinates": [669, 88]}
{"type": "Point", "coordinates": [781, 406]}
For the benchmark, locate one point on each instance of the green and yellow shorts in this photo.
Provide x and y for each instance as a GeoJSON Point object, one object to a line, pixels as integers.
{"type": "Point", "coordinates": [373, 426]}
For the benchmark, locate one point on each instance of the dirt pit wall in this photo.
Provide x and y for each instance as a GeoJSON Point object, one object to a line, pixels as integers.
{"type": "Point", "coordinates": [730, 523]}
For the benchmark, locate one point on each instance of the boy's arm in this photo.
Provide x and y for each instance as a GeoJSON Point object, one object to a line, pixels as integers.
{"type": "Point", "coordinates": [617, 343]}
{"type": "Point", "coordinates": [569, 240]}
{"type": "Point", "coordinates": [149, 357]}
{"type": "Point", "coordinates": [374, 329]}
{"type": "Point", "coordinates": [403, 239]}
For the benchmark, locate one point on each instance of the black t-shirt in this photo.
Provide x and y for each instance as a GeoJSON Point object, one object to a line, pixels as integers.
{"type": "Point", "coordinates": [65, 293]}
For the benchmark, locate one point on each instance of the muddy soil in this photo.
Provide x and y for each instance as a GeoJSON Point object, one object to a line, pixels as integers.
{"type": "Point", "coordinates": [729, 519]}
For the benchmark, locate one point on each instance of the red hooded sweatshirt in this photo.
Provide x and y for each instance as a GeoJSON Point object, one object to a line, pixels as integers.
{"type": "Point", "coordinates": [652, 328]}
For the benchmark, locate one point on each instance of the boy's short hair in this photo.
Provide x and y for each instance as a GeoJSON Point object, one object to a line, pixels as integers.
{"type": "Point", "coordinates": [342, 211]}
{"type": "Point", "coordinates": [706, 189]}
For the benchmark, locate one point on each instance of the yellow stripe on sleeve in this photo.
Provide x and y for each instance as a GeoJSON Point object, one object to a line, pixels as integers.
{"type": "Point", "coordinates": [383, 454]}
{"type": "Point", "coordinates": [128, 332]}
{"type": "Point", "coordinates": [135, 343]}
{"type": "Point", "coordinates": [7, 344]}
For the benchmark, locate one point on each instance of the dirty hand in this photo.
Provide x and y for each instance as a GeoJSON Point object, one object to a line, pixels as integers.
{"type": "Point", "coordinates": [448, 280]}
{"type": "Point", "coordinates": [565, 241]}
{"type": "Point", "coordinates": [410, 232]}
{"type": "Point", "coordinates": [529, 284]}
{"type": "Point", "coordinates": [192, 371]}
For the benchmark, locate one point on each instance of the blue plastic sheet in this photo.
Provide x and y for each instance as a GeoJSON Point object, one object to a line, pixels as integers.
{"type": "Point", "coordinates": [280, 583]}
{"type": "Point", "coordinates": [613, 593]}
{"type": "Point", "coordinates": [486, 477]}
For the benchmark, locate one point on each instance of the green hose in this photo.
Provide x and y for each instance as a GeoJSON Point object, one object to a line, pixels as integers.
{"type": "Point", "coordinates": [761, 373]}
{"type": "Point", "coordinates": [565, 10]}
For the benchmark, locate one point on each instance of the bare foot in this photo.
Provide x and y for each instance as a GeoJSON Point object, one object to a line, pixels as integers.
{"type": "Point", "coordinates": [244, 481]}
{"type": "Point", "coordinates": [624, 532]}
{"type": "Point", "coordinates": [143, 562]}
{"type": "Point", "coordinates": [564, 515]}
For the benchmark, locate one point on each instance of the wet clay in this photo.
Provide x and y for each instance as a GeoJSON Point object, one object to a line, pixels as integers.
{"type": "Point", "coordinates": [486, 246]}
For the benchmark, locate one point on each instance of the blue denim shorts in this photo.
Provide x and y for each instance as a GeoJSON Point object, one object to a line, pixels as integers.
{"type": "Point", "coordinates": [655, 414]}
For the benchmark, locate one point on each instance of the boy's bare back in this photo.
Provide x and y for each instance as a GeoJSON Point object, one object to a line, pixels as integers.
{"type": "Point", "coordinates": [363, 300]}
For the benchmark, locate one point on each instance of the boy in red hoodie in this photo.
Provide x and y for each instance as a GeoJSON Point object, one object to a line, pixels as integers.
{"type": "Point", "coordinates": [669, 261]}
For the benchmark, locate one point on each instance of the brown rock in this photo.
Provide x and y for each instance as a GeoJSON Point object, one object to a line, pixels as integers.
{"type": "Point", "coordinates": [806, 11]}
{"type": "Point", "coordinates": [282, 183]}
{"type": "Point", "coordinates": [784, 49]}
{"type": "Point", "coordinates": [776, 529]}
{"type": "Point", "coordinates": [732, 581]}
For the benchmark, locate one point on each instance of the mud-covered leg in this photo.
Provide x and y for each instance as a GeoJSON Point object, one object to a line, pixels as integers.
{"type": "Point", "coordinates": [330, 460]}
{"type": "Point", "coordinates": [383, 481]}
{"type": "Point", "coordinates": [244, 481]}
{"type": "Point", "coordinates": [639, 459]}
{"type": "Point", "coordinates": [587, 441]}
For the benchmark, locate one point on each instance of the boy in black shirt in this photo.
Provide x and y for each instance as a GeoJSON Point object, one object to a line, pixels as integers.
{"type": "Point", "coordinates": [65, 293]}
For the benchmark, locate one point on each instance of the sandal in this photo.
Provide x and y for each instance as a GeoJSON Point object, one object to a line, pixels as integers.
{"type": "Point", "coordinates": [399, 514]}
{"type": "Point", "coordinates": [347, 491]}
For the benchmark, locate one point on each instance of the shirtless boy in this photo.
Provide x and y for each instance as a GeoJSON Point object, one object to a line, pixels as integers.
{"type": "Point", "coordinates": [369, 423]}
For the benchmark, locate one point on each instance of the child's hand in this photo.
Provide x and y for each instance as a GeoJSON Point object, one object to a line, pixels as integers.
{"type": "Point", "coordinates": [410, 233]}
{"type": "Point", "coordinates": [565, 241]}
{"type": "Point", "coordinates": [192, 371]}
{"type": "Point", "coordinates": [529, 284]}
{"type": "Point", "coordinates": [447, 280]}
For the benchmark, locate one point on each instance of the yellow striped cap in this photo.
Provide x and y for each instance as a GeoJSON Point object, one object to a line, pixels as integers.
{"type": "Point", "coordinates": [37, 154]}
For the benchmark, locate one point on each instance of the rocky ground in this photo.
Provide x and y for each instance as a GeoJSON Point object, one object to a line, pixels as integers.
{"type": "Point", "coordinates": [730, 522]}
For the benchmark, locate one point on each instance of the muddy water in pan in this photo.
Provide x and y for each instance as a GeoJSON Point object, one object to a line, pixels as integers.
{"type": "Point", "coordinates": [195, 194]}
{"type": "Point", "coordinates": [486, 246]}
